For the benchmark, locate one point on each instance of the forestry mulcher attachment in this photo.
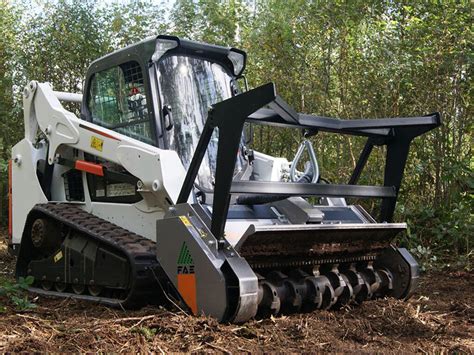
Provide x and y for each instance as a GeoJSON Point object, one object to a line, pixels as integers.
{"type": "Point", "coordinates": [152, 195]}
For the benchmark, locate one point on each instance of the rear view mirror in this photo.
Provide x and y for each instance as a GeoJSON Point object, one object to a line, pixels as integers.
{"type": "Point", "coordinates": [243, 79]}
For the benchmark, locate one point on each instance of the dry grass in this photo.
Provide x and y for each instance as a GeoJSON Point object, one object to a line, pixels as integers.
{"type": "Point", "coordinates": [438, 319]}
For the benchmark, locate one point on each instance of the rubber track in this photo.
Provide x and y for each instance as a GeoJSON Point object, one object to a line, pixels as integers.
{"type": "Point", "coordinates": [141, 252]}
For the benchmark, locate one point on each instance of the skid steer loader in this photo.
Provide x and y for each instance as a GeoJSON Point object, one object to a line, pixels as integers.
{"type": "Point", "coordinates": [152, 196]}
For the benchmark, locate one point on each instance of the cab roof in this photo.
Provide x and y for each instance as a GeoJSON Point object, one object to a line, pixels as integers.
{"type": "Point", "coordinates": [143, 52]}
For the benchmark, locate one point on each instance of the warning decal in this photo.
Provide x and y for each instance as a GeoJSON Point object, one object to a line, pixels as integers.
{"type": "Point", "coordinates": [97, 143]}
{"type": "Point", "coordinates": [185, 221]}
{"type": "Point", "coordinates": [58, 256]}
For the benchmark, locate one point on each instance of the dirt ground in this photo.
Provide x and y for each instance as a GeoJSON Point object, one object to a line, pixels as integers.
{"type": "Point", "coordinates": [439, 318]}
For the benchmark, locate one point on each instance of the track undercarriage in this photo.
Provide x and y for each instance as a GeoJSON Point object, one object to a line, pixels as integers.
{"type": "Point", "coordinates": [73, 253]}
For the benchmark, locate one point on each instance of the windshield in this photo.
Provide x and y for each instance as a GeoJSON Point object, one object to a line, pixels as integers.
{"type": "Point", "coordinates": [190, 86]}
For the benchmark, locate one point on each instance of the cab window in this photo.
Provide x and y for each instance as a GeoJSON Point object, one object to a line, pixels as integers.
{"type": "Point", "coordinates": [117, 101]}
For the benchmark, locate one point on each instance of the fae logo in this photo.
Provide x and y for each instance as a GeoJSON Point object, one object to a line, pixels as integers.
{"type": "Point", "coordinates": [187, 278]}
{"type": "Point", "coordinates": [185, 261]}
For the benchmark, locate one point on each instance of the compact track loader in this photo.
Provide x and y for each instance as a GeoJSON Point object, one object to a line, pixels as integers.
{"type": "Point", "coordinates": [152, 196]}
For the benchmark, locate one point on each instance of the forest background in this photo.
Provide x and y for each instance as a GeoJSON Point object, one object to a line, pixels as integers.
{"type": "Point", "coordinates": [347, 59]}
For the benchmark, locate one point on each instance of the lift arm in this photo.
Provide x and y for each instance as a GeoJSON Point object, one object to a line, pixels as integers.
{"type": "Point", "coordinates": [151, 165]}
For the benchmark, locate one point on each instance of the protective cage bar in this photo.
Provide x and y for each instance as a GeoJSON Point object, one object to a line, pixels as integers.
{"type": "Point", "coordinates": [309, 189]}
{"type": "Point", "coordinates": [230, 115]}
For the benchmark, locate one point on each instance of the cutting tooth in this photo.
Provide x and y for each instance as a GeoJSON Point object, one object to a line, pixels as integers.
{"type": "Point", "coordinates": [269, 303]}
{"type": "Point", "coordinates": [310, 291]}
{"type": "Point", "coordinates": [371, 277]}
{"type": "Point", "coordinates": [359, 286]}
{"type": "Point", "coordinates": [295, 292]}
{"type": "Point", "coordinates": [342, 288]}
{"type": "Point", "coordinates": [347, 295]}
{"type": "Point", "coordinates": [386, 282]}
{"type": "Point", "coordinates": [325, 286]}
{"type": "Point", "coordinates": [288, 291]}
{"type": "Point", "coordinates": [329, 296]}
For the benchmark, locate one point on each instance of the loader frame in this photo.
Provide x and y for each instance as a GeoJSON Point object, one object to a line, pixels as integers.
{"type": "Point", "coordinates": [230, 115]}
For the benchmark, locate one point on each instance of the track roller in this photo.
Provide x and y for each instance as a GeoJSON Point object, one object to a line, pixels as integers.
{"type": "Point", "coordinates": [60, 286]}
{"type": "Point", "coordinates": [46, 285]}
{"type": "Point", "coordinates": [78, 289]}
{"type": "Point", "coordinates": [94, 290]}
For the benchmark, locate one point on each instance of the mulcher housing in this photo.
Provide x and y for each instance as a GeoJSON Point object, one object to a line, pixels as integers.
{"type": "Point", "coordinates": [144, 199]}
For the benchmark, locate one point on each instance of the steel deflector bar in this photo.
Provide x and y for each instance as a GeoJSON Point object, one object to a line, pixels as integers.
{"type": "Point", "coordinates": [299, 189]}
{"type": "Point", "coordinates": [263, 106]}
{"type": "Point", "coordinates": [335, 123]}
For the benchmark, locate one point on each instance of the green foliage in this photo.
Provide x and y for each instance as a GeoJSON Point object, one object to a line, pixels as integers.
{"type": "Point", "coordinates": [362, 59]}
{"type": "Point", "coordinates": [425, 257]}
{"type": "Point", "coordinates": [445, 232]}
{"type": "Point", "coordinates": [72, 33]}
{"type": "Point", "coordinates": [10, 133]}
{"type": "Point", "coordinates": [216, 22]}
{"type": "Point", "coordinates": [148, 333]}
{"type": "Point", "coordinates": [128, 23]}
{"type": "Point", "coordinates": [14, 293]}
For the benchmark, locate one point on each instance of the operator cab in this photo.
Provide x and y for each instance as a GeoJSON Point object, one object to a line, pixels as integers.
{"type": "Point", "coordinates": [159, 91]}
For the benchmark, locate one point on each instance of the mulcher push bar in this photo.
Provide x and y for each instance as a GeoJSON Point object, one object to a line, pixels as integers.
{"type": "Point", "coordinates": [263, 106]}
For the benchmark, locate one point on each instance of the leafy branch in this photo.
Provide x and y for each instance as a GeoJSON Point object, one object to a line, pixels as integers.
{"type": "Point", "coordinates": [14, 293]}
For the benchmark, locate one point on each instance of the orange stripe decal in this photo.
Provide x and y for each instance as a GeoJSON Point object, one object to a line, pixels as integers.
{"type": "Point", "coordinates": [89, 167]}
{"type": "Point", "coordinates": [98, 132]}
{"type": "Point", "coordinates": [10, 205]}
{"type": "Point", "coordinates": [187, 290]}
